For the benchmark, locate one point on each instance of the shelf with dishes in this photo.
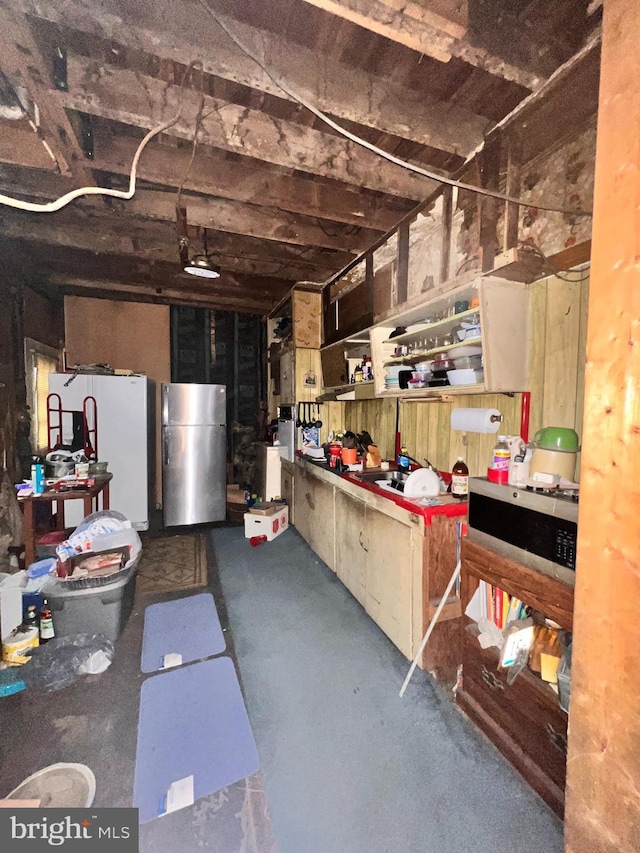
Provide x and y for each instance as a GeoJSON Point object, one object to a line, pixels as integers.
{"type": "Point", "coordinates": [463, 349]}
{"type": "Point", "coordinates": [462, 365]}
{"type": "Point", "coordinates": [443, 324]}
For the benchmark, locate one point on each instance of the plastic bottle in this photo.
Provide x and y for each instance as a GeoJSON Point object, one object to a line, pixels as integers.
{"type": "Point", "coordinates": [460, 480]}
{"type": "Point", "coordinates": [31, 620]}
{"type": "Point", "coordinates": [501, 454]}
{"type": "Point", "coordinates": [46, 624]}
{"type": "Point", "coordinates": [403, 459]}
{"type": "Point", "coordinates": [358, 373]}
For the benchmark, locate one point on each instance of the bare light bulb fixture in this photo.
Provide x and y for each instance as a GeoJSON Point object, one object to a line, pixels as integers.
{"type": "Point", "coordinates": [200, 265]}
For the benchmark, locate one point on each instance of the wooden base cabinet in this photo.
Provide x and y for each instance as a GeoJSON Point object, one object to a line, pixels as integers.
{"type": "Point", "coordinates": [375, 559]}
{"type": "Point", "coordinates": [314, 515]}
{"type": "Point", "coordinates": [523, 719]}
{"type": "Point", "coordinates": [394, 563]}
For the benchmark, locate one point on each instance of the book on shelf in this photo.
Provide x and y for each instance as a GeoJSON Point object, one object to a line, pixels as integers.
{"type": "Point", "coordinates": [496, 605]}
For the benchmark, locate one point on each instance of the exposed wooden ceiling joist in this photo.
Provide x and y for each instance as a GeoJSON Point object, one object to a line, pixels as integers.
{"type": "Point", "coordinates": [238, 218]}
{"type": "Point", "coordinates": [109, 233]}
{"type": "Point", "coordinates": [180, 31]}
{"type": "Point", "coordinates": [282, 196]}
{"type": "Point", "coordinates": [248, 182]}
{"type": "Point", "coordinates": [408, 24]}
{"type": "Point", "coordinates": [21, 60]}
{"type": "Point", "coordinates": [143, 101]}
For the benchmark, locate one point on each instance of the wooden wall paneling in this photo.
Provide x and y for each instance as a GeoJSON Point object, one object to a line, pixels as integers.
{"type": "Point", "coordinates": [602, 811]}
{"type": "Point", "coordinates": [561, 353]}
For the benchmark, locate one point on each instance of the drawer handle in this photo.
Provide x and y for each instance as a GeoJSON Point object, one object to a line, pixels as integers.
{"type": "Point", "coordinates": [558, 740]}
{"type": "Point", "coordinates": [362, 543]}
{"type": "Point", "coordinates": [492, 680]}
{"type": "Point", "coordinates": [310, 501]}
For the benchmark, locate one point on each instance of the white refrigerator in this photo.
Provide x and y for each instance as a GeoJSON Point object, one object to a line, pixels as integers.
{"type": "Point", "coordinates": [126, 413]}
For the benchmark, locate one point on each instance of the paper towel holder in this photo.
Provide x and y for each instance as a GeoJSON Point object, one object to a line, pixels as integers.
{"type": "Point", "coordinates": [465, 420]}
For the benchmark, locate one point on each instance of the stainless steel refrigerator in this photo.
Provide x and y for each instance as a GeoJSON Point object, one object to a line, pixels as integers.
{"type": "Point", "coordinates": [194, 453]}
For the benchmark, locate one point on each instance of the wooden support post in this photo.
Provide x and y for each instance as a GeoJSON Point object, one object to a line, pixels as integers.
{"type": "Point", "coordinates": [328, 316]}
{"type": "Point", "coordinates": [368, 283]}
{"type": "Point", "coordinates": [447, 214]}
{"type": "Point", "coordinates": [402, 275]}
{"type": "Point", "coordinates": [512, 211]}
{"type": "Point", "coordinates": [602, 813]}
{"type": "Point", "coordinates": [489, 178]}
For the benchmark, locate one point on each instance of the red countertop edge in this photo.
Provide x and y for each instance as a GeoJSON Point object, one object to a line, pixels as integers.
{"type": "Point", "coordinates": [456, 510]}
{"type": "Point", "coordinates": [450, 510]}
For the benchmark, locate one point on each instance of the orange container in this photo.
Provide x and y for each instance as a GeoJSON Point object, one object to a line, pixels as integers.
{"type": "Point", "coordinates": [349, 455]}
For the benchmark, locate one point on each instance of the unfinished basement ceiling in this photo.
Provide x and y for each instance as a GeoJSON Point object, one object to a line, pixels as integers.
{"type": "Point", "coordinates": [283, 197]}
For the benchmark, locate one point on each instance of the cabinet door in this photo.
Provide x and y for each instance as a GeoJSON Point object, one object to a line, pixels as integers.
{"type": "Point", "coordinates": [314, 514]}
{"type": "Point", "coordinates": [350, 544]}
{"type": "Point", "coordinates": [390, 547]}
{"type": "Point", "coordinates": [287, 493]}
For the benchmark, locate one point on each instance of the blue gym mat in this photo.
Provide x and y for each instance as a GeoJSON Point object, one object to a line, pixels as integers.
{"type": "Point", "coordinates": [192, 722]}
{"type": "Point", "coordinates": [189, 626]}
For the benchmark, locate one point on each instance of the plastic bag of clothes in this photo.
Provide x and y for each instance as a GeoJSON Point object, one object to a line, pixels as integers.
{"type": "Point", "coordinates": [62, 661]}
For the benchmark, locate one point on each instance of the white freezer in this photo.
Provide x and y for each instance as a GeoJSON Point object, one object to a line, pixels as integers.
{"type": "Point", "coordinates": [125, 438]}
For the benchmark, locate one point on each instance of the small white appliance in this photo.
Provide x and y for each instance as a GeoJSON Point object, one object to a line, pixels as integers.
{"type": "Point", "coordinates": [287, 432]}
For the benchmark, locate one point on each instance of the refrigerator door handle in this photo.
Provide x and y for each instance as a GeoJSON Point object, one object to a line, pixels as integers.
{"type": "Point", "coordinates": [165, 449]}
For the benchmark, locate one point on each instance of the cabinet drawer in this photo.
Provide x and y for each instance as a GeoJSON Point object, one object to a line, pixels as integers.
{"type": "Point", "coordinates": [526, 711]}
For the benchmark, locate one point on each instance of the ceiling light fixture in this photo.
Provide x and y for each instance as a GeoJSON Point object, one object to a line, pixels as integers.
{"type": "Point", "coordinates": [201, 265]}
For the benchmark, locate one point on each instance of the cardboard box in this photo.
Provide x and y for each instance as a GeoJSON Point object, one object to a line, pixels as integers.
{"type": "Point", "coordinates": [266, 525]}
{"type": "Point", "coordinates": [267, 507]}
{"type": "Point", "coordinates": [235, 495]}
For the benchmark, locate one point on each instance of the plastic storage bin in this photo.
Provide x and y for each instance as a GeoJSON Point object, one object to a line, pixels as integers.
{"type": "Point", "coordinates": [101, 610]}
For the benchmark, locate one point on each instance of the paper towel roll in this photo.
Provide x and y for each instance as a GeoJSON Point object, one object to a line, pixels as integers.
{"type": "Point", "coordinates": [476, 420]}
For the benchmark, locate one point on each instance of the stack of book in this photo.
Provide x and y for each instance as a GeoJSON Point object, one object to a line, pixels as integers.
{"type": "Point", "coordinates": [495, 604]}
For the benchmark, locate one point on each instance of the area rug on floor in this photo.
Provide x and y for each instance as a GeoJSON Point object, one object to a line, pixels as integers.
{"type": "Point", "coordinates": [188, 628]}
{"type": "Point", "coordinates": [171, 563]}
{"type": "Point", "coordinates": [193, 728]}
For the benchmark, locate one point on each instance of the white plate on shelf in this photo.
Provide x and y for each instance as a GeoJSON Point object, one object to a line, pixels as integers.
{"type": "Point", "coordinates": [465, 349]}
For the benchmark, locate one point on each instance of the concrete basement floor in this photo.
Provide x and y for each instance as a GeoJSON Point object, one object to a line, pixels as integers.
{"type": "Point", "coordinates": [346, 765]}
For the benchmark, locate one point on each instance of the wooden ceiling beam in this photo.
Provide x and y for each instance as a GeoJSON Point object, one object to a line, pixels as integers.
{"type": "Point", "coordinates": [180, 31]}
{"type": "Point", "coordinates": [160, 295]}
{"type": "Point", "coordinates": [392, 21]}
{"type": "Point", "coordinates": [143, 101]}
{"type": "Point", "coordinates": [239, 218]}
{"type": "Point", "coordinates": [248, 181]}
{"type": "Point", "coordinates": [21, 59]}
{"type": "Point", "coordinates": [19, 146]}
{"type": "Point", "coordinates": [56, 265]}
{"type": "Point", "coordinates": [117, 233]}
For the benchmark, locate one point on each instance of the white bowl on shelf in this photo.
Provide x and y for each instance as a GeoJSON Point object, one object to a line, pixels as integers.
{"type": "Point", "coordinates": [465, 350]}
{"type": "Point", "coordinates": [465, 376]}
{"type": "Point", "coordinates": [469, 333]}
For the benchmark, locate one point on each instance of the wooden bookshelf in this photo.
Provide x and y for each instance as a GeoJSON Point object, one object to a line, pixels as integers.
{"type": "Point", "coordinates": [524, 719]}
